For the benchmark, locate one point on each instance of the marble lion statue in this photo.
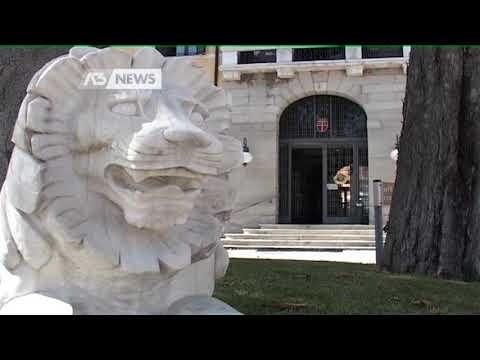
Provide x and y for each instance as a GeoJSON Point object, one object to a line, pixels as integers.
{"type": "Point", "coordinates": [115, 200]}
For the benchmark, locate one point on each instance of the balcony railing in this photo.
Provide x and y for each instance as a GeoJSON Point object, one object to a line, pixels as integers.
{"type": "Point", "coordinates": [257, 56]}
{"type": "Point", "coordinates": [288, 61]}
{"type": "Point", "coordinates": [315, 54]}
{"type": "Point", "coordinates": [381, 52]}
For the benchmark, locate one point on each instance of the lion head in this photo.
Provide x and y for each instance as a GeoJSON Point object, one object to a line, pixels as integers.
{"type": "Point", "coordinates": [135, 179]}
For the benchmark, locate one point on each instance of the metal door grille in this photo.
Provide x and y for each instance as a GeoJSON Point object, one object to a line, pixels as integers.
{"type": "Point", "coordinates": [363, 183]}
{"type": "Point", "coordinates": [324, 53]}
{"type": "Point", "coordinates": [344, 118]}
{"type": "Point", "coordinates": [298, 208]}
{"type": "Point", "coordinates": [257, 56]}
{"type": "Point", "coordinates": [339, 200]}
{"type": "Point", "coordinates": [284, 167]}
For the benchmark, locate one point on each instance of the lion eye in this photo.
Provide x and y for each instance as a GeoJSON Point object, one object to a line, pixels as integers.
{"type": "Point", "coordinates": [126, 108]}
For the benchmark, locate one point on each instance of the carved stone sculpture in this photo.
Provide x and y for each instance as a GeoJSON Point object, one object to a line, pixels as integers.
{"type": "Point", "coordinates": [115, 200]}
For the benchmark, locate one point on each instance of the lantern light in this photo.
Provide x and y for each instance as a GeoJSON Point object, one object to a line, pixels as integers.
{"type": "Point", "coordinates": [247, 157]}
{"type": "Point", "coordinates": [394, 155]}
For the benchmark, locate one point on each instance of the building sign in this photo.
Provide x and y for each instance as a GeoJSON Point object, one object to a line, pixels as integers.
{"type": "Point", "coordinates": [322, 125]}
{"type": "Point", "coordinates": [387, 193]}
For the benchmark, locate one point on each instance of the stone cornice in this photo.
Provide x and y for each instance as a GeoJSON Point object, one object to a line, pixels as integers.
{"type": "Point", "coordinates": [353, 67]}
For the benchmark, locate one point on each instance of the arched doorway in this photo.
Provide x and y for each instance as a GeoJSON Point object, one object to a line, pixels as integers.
{"type": "Point", "coordinates": [323, 162]}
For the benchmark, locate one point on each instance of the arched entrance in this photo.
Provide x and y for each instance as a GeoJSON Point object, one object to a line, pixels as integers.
{"type": "Point", "coordinates": [323, 162]}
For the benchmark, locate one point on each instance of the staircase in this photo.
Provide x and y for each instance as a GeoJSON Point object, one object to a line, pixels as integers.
{"type": "Point", "coordinates": [304, 237]}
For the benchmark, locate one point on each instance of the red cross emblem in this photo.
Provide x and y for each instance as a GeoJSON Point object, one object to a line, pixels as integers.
{"type": "Point", "coordinates": [322, 125]}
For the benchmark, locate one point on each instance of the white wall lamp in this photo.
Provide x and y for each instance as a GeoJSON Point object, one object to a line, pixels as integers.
{"type": "Point", "coordinates": [394, 153]}
{"type": "Point", "coordinates": [247, 157]}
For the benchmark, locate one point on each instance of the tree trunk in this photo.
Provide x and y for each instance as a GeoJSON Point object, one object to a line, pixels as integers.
{"type": "Point", "coordinates": [17, 67]}
{"type": "Point", "coordinates": [434, 225]}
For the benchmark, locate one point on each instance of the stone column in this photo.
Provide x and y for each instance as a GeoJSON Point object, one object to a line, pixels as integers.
{"type": "Point", "coordinates": [353, 52]}
{"type": "Point", "coordinates": [229, 57]}
{"type": "Point", "coordinates": [284, 55]}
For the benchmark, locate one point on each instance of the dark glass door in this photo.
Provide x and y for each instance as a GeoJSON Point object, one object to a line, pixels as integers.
{"type": "Point", "coordinates": [323, 184]}
{"type": "Point", "coordinates": [307, 186]}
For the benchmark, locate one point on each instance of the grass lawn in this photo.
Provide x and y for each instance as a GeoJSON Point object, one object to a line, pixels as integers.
{"type": "Point", "coordinates": [257, 287]}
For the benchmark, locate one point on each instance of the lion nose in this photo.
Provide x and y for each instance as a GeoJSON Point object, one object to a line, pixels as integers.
{"type": "Point", "coordinates": [187, 133]}
{"type": "Point", "coordinates": [148, 139]}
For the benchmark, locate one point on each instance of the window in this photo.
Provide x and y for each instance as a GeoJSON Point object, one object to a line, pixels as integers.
{"type": "Point", "coordinates": [381, 52]}
{"type": "Point", "coordinates": [257, 56]}
{"type": "Point", "coordinates": [321, 53]}
{"type": "Point", "coordinates": [182, 50]}
{"type": "Point", "coordinates": [167, 51]}
{"type": "Point", "coordinates": [190, 50]}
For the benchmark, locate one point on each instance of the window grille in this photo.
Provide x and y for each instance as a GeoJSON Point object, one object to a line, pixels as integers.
{"type": "Point", "coordinates": [257, 56]}
{"type": "Point", "coordinates": [315, 54]}
{"type": "Point", "coordinates": [381, 52]}
{"type": "Point", "coordinates": [323, 116]}
{"type": "Point", "coordinates": [182, 50]}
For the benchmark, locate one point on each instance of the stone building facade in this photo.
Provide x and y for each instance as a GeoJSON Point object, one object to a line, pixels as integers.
{"type": "Point", "coordinates": [262, 91]}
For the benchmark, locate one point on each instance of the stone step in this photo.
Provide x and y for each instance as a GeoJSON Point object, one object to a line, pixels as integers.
{"type": "Point", "coordinates": [370, 232]}
{"type": "Point", "coordinates": [298, 242]}
{"type": "Point", "coordinates": [323, 237]}
{"type": "Point", "coordinates": [296, 247]}
{"type": "Point", "coordinates": [334, 245]}
{"type": "Point", "coordinates": [290, 236]}
{"type": "Point", "coordinates": [318, 226]}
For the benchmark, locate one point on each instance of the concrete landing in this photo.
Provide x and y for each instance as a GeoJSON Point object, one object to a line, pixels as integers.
{"type": "Point", "coordinates": [348, 256]}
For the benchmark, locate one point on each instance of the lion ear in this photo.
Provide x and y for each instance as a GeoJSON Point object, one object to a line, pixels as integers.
{"type": "Point", "coordinates": [180, 73]}
{"type": "Point", "coordinates": [60, 83]}
{"type": "Point", "coordinates": [106, 59]}
{"type": "Point", "coordinates": [148, 58]}
{"type": "Point", "coordinates": [80, 51]}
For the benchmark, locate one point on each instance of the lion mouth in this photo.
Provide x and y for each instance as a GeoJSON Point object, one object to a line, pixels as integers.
{"type": "Point", "coordinates": [167, 183]}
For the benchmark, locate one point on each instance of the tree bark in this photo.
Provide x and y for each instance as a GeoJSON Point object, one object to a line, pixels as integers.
{"type": "Point", "coordinates": [17, 67]}
{"type": "Point", "coordinates": [434, 225]}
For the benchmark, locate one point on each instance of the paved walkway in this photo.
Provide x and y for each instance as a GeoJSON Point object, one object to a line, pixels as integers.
{"type": "Point", "coordinates": [350, 256]}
